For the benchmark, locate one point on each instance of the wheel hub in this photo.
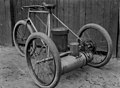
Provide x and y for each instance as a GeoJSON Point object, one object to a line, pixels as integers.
{"type": "Point", "coordinates": [88, 46]}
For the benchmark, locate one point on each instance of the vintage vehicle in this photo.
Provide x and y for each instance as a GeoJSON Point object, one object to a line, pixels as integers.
{"type": "Point", "coordinates": [50, 55]}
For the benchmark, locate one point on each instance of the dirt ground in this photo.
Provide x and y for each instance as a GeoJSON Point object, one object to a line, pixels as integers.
{"type": "Point", "coordinates": [14, 73]}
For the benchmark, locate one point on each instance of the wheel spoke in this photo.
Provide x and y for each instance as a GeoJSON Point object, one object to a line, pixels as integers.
{"type": "Point", "coordinates": [104, 53]}
{"type": "Point", "coordinates": [42, 67]}
{"type": "Point", "coordinates": [100, 45]}
{"type": "Point", "coordinates": [20, 35]}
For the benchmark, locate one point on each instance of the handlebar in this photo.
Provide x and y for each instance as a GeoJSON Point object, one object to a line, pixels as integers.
{"type": "Point", "coordinates": [43, 6]}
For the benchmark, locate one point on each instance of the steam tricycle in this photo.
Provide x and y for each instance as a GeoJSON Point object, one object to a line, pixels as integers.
{"type": "Point", "coordinates": [50, 55]}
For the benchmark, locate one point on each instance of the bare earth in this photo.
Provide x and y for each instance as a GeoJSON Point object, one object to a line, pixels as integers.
{"type": "Point", "coordinates": [14, 73]}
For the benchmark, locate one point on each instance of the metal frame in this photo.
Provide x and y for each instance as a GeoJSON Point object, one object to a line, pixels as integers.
{"type": "Point", "coordinates": [48, 28]}
{"type": "Point", "coordinates": [68, 63]}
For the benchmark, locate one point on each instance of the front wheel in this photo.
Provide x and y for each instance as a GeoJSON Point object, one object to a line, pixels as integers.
{"type": "Point", "coordinates": [97, 40]}
{"type": "Point", "coordinates": [44, 62]}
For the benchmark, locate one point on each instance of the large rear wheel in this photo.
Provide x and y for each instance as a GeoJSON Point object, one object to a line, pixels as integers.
{"type": "Point", "coordinates": [96, 40]}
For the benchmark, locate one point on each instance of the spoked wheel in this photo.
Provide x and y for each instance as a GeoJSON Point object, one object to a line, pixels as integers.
{"type": "Point", "coordinates": [44, 62]}
{"type": "Point", "coordinates": [97, 40]}
{"type": "Point", "coordinates": [20, 34]}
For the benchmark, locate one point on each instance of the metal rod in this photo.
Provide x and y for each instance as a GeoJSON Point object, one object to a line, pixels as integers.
{"type": "Point", "coordinates": [41, 20]}
{"type": "Point", "coordinates": [48, 24]}
{"type": "Point", "coordinates": [32, 24]}
{"type": "Point", "coordinates": [51, 58]}
{"type": "Point", "coordinates": [28, 12]}
{"type": "Point", "coordinates": [65, 53]}
{"type": "Point", "coordinates": [33, 6]}
{"type": "Point", "coordinates": [38, 11]}
{"type": "Point", "coordinates": [48, 31]}
{"type": "Point", "coordinates": [66, 27]}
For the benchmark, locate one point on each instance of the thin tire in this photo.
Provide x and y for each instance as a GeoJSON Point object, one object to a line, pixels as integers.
{"type": "Point", "coordinates": [105, 35]}
{"type": "Point", "coordinates": [56, 59]}
{"type": "Point", "coordinates": [16, 29]}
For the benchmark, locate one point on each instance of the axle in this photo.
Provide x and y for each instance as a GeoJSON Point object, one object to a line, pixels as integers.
{"type": "Point", "coordinates": [70, 62]}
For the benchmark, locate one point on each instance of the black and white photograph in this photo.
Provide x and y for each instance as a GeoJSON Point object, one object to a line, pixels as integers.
{"type": "Point", "coordinates": [59, 44]}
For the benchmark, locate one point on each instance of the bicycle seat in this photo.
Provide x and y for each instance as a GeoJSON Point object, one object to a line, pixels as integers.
{"type": "Point", "coordinates": [48, 6]}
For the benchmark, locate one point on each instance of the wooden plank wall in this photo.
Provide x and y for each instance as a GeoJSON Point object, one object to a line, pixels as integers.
{"type": "Point", "coordinates": [119, 33]}
{"type": "Point", "coordinates": [76, 13]}
{"type": "Point", "coordinates": [5, 23]}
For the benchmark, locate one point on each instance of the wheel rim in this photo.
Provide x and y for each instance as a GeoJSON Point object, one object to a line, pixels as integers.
{"type": "Point", "coordinates": [99, 40]}
{"type": "Point", "coordinates": [42, 71]}
{"type": "Point", "coordinates": [20, 34]}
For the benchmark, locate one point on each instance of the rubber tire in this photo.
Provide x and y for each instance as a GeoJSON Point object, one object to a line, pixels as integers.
{"type": "Point", "coordinates": [55, 53]}
{"type": "Point", "coordinates": [108, 39]}
{"type": "Point", "coordinates": [19, 23]}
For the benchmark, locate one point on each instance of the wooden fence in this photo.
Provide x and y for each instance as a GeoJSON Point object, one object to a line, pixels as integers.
{"type": "Point", "coordinates": [75, 14]}
{"type": "Point", "coordinates": [5, 23]}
